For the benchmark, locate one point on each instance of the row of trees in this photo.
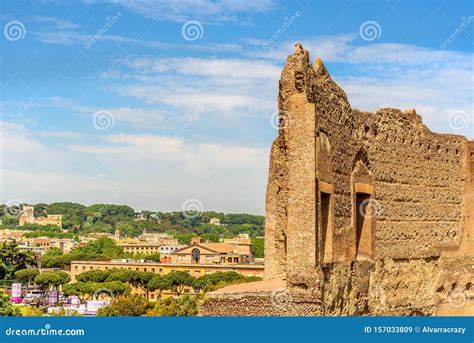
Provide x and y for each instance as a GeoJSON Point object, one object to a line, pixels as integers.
{"type": "Point", "coordinates": [118, 284]}
{"type": "Point", "coordinates": [13, 259]}
{"type": "Point", "coordinates": [50, 280]}
{"type": "Point", "coordinates": [90, 282]}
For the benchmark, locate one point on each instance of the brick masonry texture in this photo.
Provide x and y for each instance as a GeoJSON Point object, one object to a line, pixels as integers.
{"type": "Point", "coordinates": [366, 213]}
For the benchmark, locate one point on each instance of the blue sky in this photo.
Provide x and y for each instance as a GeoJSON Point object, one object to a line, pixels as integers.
{"type": "Point", "coordinates": [153, 103]}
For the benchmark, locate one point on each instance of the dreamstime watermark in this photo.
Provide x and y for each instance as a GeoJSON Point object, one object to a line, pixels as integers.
{"type": "Point", "coordinates": [458, 297]}
{"type": "Point", "coordinates": [106, 291]}
{"type": "Point", "coordinates": [280, 119]}
{"type": "Point", "coordinates": [459, 120]}
{"type": "Point", "coordinates": [192, 30]}
{"type": "Point", "coordinates": [13, 208]}
{"type": "Point", "coordinates": [109, 22]}
{"type": "Point", "coordinates": [103, 120]}
{"type": "Point", "coordinates": [192, 208]}
{"type": "Point", "coordinates": [23, 111]}
{"type": "Point", "coordinates": [14, 30]}
{"type": "Point", "coordinates": [380, 298]}
{"type": "Point", "coordinates": [45, 331]}
{"type": "Point", "coordinates": [195, 117]}
{"type": "Point", "coordinates": [370, 30]}
{"type": "Point", "coordinates": [281, 298]}
{"type": "Point", "coordinates": [287, 21]}
{"type": "Point", "coordinates": [370, 208]}
{"type": "Point", "coordinates": [465, 22]}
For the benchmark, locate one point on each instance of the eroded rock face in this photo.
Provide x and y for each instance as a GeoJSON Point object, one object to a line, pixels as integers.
{"type": "Point", "coordinates": [371, 212]}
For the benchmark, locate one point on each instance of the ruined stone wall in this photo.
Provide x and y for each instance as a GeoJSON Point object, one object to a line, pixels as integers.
{"type": "Point", "coordinates": [366, 213]}
{"type": "Point", "coordinates": [417, 177]}
{"type": "Point", "coordinates": [275, 303]}
{"type": "Point", "coordinates": [419, 181]}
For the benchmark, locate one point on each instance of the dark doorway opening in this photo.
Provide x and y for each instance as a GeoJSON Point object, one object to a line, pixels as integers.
{"type": "Point", "coordinates": [195, 255]}
{"type": "Point", "coordinates": [363, 223]}
{"type": "Point", "coordinates": [325, 242]}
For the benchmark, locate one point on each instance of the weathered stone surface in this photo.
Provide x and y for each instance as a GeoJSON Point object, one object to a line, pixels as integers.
{"type": "Point", "coordinates": [366, 213]}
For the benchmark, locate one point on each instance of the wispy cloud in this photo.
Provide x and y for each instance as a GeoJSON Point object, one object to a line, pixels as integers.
{"type": "Point", "coordinates": [118, 169]}
{"type": "Point", "coordinates": [205, 10]}
{"type": "Point", "coordinates": [435, 82]}
{"type": "Point", "coordinates": [54, 22]}
{"type": "Point", "coordinates": [135, 116]}
{"type": "Point", "coordinates": [225, 87]}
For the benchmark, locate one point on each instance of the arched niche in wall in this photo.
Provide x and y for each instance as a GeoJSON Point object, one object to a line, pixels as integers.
{"type": "Point", "coordinates": [325, 205]}
{"type": "Point", "coordinates": [364, 209]}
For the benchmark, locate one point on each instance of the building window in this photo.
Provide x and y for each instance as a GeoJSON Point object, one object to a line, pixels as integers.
{"type": "Point", "coordinates": [195, 255]}
{"type": "Point", "coordinates": [363, 223]}
{"type": "Point", "coordinates": [326, 239]}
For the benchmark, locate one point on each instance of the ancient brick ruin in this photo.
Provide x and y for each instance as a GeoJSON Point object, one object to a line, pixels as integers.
{"type": "Point", "coordinates": [366, 213]}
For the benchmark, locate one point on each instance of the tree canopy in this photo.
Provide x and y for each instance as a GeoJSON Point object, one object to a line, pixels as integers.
{"type": "Point", "coordinates": [7, 308]}
{"type": "Point", "coordinates": [52, 279]}
{"type": "Point", "coordinates": [183, 306]}
{"type": "Point", "coordinates": [26, 276]}
{"type": "Point", "coordinates": [80, 219]}
{"type": "Point", "coordinates": [133, 305]}
{"type": "Point", "coordinates": [13, 259]}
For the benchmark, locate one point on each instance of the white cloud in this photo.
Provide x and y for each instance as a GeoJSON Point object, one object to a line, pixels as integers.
{"type": "Point", "coordinates": [224, 87]}
{"type": "Point", "coordinates": [54, 22]}
{"type": "Point", "coordinates": [435, 82]}
{"type": "Point", "coordinates": [231, 68]}
{"type": "Point", "coordinates": [136, 116]}
{"type": "Point", "coordinates": [144, 171]}
{"type": "Point", "coordinates": [205, 10]}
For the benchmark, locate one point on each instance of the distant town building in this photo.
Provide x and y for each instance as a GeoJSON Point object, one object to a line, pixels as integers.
{"type": "Point", "coordinates": [157, 238]}
{"type": "Point", "coordinates": [95, 235]}
{"type": "Point", "coordinates": [241, 239]}
{"type": "Point", "coordinates": [65, 244]}
{"type": "Point", "coordinates": [149, 243]}
{"type": "Point", "coordinates": [27, 216]}
{"type": "Point", "coordinates": [140, 248]}
{"type": "Point", "coordinates": [168, 249]}
{"type": "Point", "coordinates": [43, 242]}
{"type": "Point", "coordinates": [47, 243]}
{"type": "Point", "coordinates": [12, 235]}
{"type": "Point", "coordinates": [237, 251]}
{"type": "Point", "coordinates": [215, 221]}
